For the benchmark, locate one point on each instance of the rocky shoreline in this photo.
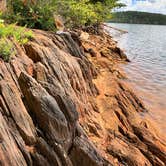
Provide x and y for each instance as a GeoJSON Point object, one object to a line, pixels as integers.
{"type": "Point", "coordinates": [63, 103]}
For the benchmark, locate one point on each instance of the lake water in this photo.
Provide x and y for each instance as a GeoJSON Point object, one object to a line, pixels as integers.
{"type": "Point", "coordinates": [145, 46]}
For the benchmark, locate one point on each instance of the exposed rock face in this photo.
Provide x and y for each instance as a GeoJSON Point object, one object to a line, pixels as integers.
{"type": "Point", "coordinates": [62, 104]}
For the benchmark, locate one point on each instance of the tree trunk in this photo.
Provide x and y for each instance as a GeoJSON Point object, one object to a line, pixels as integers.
{"type": "Point", "coordinates": [2, 5]}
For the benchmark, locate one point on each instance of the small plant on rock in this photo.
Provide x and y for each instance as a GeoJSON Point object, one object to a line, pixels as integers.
{"type": "Point", "coordinates": [6, 49]}
{"type": "Point", "coordinates": [10, 34]}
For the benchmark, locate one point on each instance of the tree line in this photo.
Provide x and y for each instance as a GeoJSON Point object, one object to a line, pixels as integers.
{"type": "Point", "coordinates": [135, 17]}
{"type": "Point", "coordinates": [41, 14]}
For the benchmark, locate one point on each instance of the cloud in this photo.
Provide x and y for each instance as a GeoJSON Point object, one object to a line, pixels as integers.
{"type": "Point", "coordinates": [154, 6]}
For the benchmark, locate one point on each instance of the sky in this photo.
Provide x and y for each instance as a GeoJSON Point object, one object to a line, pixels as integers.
{"type": "Point", "coordinates": [154, 6]}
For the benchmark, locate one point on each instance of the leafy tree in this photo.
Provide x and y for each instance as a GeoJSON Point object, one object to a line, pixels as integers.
{"type": "Point", "coordinates": [86, 12]}
{"type": "Point", "coordinates": [75, 13]}
{"type": "Point", "coordinates": [33, 14]}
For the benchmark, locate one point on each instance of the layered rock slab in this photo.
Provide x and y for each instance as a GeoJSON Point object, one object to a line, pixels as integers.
{"type": "Point", "coordinates": [62, 105]}
{"type": "Point", "coordinates": [41, 91]}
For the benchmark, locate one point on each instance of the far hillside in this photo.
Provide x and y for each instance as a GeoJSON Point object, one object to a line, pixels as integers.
{"type": "Point", "coordinates": [135, 17]}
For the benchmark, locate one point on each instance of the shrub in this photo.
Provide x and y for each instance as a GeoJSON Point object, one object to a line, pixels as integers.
{"type": "Point", "coordinates": [6, 49]}
{"type": "Point", "coordinates": [33, 15]}
{"type": "Point", "coordinates": [76, 13]}
{"type": "Point", "coordinates": [12, 33]}
{"type": "Point", "coordinates": [19, 34]}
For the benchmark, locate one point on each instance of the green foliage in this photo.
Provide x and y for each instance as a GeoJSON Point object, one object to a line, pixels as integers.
{"type": "Point", "coordinates": [19, 34]}
{"type": "Point", "coordinates": [139, 18]}
{"type": "Point", "coordinates": [9, 33]}
{"type": "Point", "coordinates": [76, 13]}
{"type": "Point", "coordinates": [6, 49]}
{"type": "Point", "coordinates": [33, 15]}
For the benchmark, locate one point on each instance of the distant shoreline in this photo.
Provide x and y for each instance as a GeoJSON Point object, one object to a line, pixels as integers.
{"type": "Point", "coordinates": [135, 17]}
{"type": "Point", "coordinates": [136, 23]}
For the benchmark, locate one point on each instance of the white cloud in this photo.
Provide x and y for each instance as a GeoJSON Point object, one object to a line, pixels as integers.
{"type": "Point", "coordinates": [156, 6]}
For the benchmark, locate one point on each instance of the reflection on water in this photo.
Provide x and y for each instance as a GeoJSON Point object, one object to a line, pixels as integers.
{"type": "Point", "coordinates": [145, 45]}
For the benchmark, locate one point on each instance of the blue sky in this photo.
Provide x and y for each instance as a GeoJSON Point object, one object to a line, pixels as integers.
{"type": "Point", "coordinates": [156, 6]}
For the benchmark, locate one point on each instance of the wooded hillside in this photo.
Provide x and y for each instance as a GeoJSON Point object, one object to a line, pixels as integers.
{"type": "Point", "coordinates": [139, 18]}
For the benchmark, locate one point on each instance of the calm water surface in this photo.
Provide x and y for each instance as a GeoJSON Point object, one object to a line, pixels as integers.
{"type": "Point", "coordinates": [145, 46]}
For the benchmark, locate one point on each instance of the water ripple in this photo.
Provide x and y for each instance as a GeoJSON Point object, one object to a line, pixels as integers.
{"type": "Point", "coordinates": [145, 45]}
